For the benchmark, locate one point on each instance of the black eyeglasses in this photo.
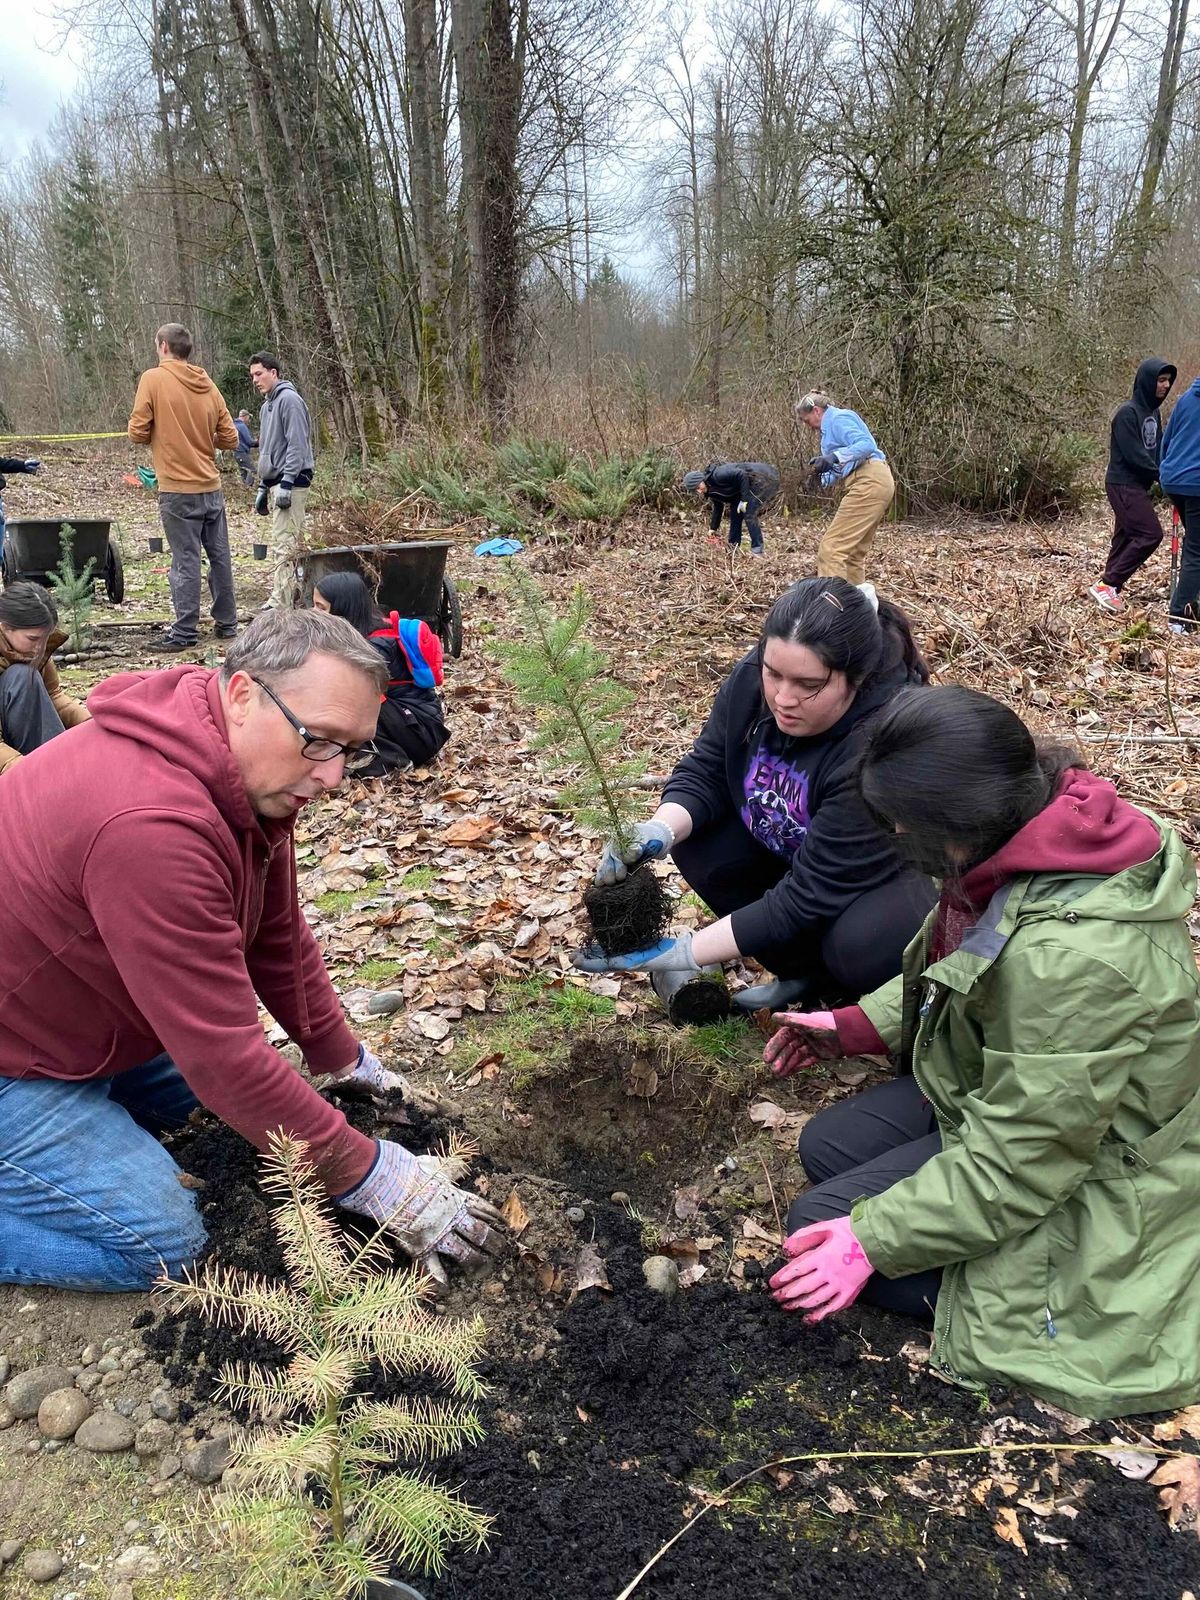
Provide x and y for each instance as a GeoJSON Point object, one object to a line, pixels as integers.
{"type": "Point", "coordinates": [315, 748]}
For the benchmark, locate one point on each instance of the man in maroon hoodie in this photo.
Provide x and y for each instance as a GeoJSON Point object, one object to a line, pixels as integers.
{"type": "Point", "coordinates": [151, 899]}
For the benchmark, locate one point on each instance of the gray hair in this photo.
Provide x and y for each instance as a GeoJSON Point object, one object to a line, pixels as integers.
{"type": "Point", "coordinates": [278, 642]}
{"type": "Point", "coordinates": [810, 401]}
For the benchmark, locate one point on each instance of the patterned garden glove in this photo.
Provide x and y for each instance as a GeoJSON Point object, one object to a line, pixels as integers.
{"type": "Point", "coordinates": [803, 1039]}
{"type": "Point", "coordinates": [262, 500]}
{"type": "Point", "coordinates": [827, 1270]}
{"type": "Point", "coordinates": [668, 955]}
{"type": "Point", "coordinates": [428, 1216]}
{"type": "Point", "coordinates": [369, 1079]}
{"type": "Point", "coordinates": [652, 841]}
{"type": "Point", "coordinates": [283, 496]}
{"type": "Point", "coordinates": [33, 464]}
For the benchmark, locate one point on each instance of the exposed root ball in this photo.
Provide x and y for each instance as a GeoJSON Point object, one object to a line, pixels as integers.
{"type": "Point", "coordinates": [629, 915]}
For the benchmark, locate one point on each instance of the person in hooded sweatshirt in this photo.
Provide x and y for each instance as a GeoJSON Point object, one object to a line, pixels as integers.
{"type": "Point", "coordinates": [1179, 474]}
{"type": "Point", "coordinates": [178, 411]}
{"type": "Point", "coordinates": [741, 488]}
{"type": "Point", "coordinates": [1030, 1178]}
{"type": "Point", "coordinates": [1134, 443]}
{"type": "Point", "coordinates": [150, 889]}
{"type": "Point", "coordinates": [763, 818]}
{"type": "Point", "coordinates": [285, 469]}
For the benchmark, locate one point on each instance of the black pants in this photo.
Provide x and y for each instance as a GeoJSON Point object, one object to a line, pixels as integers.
{"type": "Point", "coordinates": [1185, 599]}
{"type": "Point", "coordinates": [753, 507]}
{"type": "Point", "coordinates": [858, 1148]}
{"type": "Point", "coordinates": [406, 737]}
{"type": "Point", "coordinates": [1137, 535]}
{"type": "Point", "coordinates": [861, 949]}
{"type": "Point", "coordinates": [27, 715]}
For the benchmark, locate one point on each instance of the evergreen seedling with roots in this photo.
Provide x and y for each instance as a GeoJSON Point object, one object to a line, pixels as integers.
{"type": "Point", "coordinates": [320, 1505]}
{"type": "Point", "coordinates": [74, 592]}
{"type": "Point", "coordinates": [568, 684]}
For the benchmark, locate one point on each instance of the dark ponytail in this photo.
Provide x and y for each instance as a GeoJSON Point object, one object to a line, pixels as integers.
{"type": "Point", "coordinates": [348, 596]}
{"type": "Point", "coordinates": [953, 774]}
{"type": "Point", "coordinates": [843, 629]}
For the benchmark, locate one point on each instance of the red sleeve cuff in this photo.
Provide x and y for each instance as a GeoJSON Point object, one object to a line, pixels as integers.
{"type": "Point", "coordinates": [857, 1034]}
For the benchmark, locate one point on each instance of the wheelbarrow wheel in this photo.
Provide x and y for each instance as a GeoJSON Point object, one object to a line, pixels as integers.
{"type": "Point", "coordinates": [7, 569]}
{"type": "Point", "coordinates": [449, 628]}
{"type": "Point", "coordinates": [114, 574]}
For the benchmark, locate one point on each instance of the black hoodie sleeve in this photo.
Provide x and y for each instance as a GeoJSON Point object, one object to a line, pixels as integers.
{"type": "Point", "coordinates": [700, 783]}
{"type": "Point", "coordinates": [12, 464]}
{"type": "Point", "coordinates": [844, 855]}
{"type": "Point", "coordinates": [1127, 448]}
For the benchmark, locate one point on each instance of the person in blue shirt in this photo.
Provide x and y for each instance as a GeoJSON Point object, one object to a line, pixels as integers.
{"type": "Point", "coordinates": [1179, 475]}
{"type": "Point", "coordinates": [246, 443]}
{"type": "Point", "coordinates": [853, 464]}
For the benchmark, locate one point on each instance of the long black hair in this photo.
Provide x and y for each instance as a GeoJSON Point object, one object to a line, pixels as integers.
{"type": "Point", "coordinates": [953, 774]}
{"type": "Point", "coordinates": [349, 597]}
{"type": "Point", "coordinates": [27, 605]}
{"type": "Point", "coordinates": [843, 629]}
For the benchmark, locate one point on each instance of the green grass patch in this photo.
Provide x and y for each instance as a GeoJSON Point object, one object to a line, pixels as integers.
{"type": "Point", "coordinates": [334, 901]}
{"type": "Point", "coordinates": [419, 878]}
{"type": "Point", "coordinates": [538, 1022]}
{"type": "Point", "coordinates": [378, 971]}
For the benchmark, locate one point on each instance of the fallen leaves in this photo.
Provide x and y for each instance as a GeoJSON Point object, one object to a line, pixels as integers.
{"type": "Point", "coordinates": [476, 833]}
{"type": "Point", "coordinates": [1178, 1485]}
{"type": "Point", "coordinates": [590, 1271]}
{"type": "Point", "coordinates": [1183, 1422]}
{"type": "Point", "coordinates": [515, 1215]}
{"type": "Point", "coordinates": [1006, 1527]}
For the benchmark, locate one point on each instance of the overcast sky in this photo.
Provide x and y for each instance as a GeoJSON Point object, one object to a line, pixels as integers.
{"type": "Point", "coordinates": [35, 75]}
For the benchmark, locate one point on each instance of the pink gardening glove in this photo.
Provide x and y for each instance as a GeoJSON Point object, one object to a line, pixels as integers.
{"type": "Point", "coordinates": [826, 1273]}
{"type": "Point", "coordinates": [803, 1039]}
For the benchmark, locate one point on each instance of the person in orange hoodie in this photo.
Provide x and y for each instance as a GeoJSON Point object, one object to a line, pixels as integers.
{"type": "Point", "coordinates": [180, 414]}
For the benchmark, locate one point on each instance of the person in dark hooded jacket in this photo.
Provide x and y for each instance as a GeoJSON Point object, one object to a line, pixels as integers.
{"type": "Point", "coordinates": [1135, 442]}
{"type": "Point", "coordinates": [763, 818]}
{"type": "Point", "coordinates": [743, 488]}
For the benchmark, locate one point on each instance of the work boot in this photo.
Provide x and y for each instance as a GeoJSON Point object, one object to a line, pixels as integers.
{"type": "Point", "coordinates": [167, 645]}
{"type": "Point", "coordinates": [781, 994]}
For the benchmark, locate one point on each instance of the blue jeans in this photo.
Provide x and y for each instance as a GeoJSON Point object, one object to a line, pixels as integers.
{"type": "Point", "coordinates": [89, 1199]}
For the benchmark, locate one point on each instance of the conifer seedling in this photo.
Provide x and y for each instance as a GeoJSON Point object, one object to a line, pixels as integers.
{"type": "Point", "coordinates": [323, 1498]}
{"type": "Point", "coordinates": [74, 592]}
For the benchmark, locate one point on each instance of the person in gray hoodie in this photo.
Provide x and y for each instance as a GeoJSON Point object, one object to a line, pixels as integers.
{"type": "Point", "coordinates": [285, 469]}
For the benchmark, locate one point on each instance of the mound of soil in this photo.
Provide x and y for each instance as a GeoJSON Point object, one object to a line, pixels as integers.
{"type": "Point", "coordinates": [612, 1421]}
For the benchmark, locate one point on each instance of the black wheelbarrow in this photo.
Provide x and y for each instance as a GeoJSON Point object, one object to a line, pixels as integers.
{"type": "Point", "coordinates": [33, 549]}
{"type": "Point", "coordinates": [408, 577]}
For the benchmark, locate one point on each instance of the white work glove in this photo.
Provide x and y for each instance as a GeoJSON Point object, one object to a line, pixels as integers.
{"type": "Point", "coordinates": [427, 1215]}
{"type": "Point", "coordinates": [371, 1073]}
{"type": "Point", "coordinates": [652, 841]}
{"type": "Point", "coordinates": [743, 507]}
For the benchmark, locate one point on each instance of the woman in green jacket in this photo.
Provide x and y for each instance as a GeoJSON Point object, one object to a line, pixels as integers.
{"type": "Point", "coordinates": [1032, 1175]}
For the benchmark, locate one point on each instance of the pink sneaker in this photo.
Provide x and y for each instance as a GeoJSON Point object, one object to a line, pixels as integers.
{"type": "Point", "coordinates": [1106, 597]}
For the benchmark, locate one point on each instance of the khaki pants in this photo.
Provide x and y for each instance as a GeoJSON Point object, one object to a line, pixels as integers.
{"type": "Point", "coordinates": [865, 497]}
{"type": "Point", "coordinates": [287, 531]}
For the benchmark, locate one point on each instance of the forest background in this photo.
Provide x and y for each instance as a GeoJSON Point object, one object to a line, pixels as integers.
{"type": "Point", "coordinates": [622, 227]}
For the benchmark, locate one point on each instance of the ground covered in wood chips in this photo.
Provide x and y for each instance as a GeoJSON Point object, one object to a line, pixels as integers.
{"type": "Point", "coordinates": [617, 1417]}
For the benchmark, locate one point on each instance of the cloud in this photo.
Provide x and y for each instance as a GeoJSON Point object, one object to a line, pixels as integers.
{"type": "Point", "coordinates": [35, 77]}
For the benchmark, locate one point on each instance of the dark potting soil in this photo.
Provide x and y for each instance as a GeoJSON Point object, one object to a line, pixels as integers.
{"type": "Point", "coordinates": [630, 915]}
{"type": "Point", "coordinates": [611, 1421]}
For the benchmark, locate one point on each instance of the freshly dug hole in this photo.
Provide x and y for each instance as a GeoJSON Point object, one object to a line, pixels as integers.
{"type": "Point", "coordinates": [630, 915]}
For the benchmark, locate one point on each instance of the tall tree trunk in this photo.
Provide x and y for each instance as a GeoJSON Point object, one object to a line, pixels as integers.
{"type": "Point", "coordinates": [427, 184]}
{"type": "Point", "coordinates": [716, 298]}
{"type": "Point", "coordinates": [1158, 138]}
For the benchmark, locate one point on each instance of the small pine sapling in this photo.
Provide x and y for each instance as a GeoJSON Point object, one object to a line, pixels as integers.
{"type": "Point", "coordinates": [319, 1505]}
{"type": "Point", "coordinates": [569, 686]}
{"type": "Point", "coordinates": [74, 592]}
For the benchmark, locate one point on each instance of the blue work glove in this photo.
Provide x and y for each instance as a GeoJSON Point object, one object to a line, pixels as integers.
{"type": "Point", "coordinates": [668, 955]}
{"type": "Point", "coordinates": [262, 500]}
{"type": "Point", "coordinates": [33, 464]}
{"type": "Point", "coordinates": [283, 496]}
{"type": "Point", "coordinates": [652, 841]}
{"type": "Point", "coordinates": [429, 1217]}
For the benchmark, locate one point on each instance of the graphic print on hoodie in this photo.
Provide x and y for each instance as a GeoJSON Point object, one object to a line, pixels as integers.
{"type": "Point", "coordinates": [776, 807]}
{"type": "Point", "coordinates": [1136, 432]}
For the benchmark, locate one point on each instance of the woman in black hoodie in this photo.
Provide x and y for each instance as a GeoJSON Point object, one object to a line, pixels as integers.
{"type": "Point", "coordinates": [763, 817]}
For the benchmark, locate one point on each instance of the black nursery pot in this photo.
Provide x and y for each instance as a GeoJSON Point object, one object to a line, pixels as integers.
{"type": "Point", "coordinates": [260, 552]}
{"type": "Point", "coordinates": [156, 546]}
{"type": "Point", "coordinates": [691, 1001]}
{"type": "Point", "coordinates": [391, 1589]}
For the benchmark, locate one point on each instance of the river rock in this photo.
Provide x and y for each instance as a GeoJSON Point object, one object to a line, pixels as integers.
{"type": "Point", "coordinates": [90, 1354]}
{"type": "Point", "coordinates": [384, 1003]}
{"type": "Point", "coordinates": [109, 1363]}
{"type": "Point", "coordinates": [27, 1390]}
{"type": "Point", "coordinates": [105, 1432]}
{"type": "Point", "coordinates": [169, 1465]}
{"type": "Point", "coordinates": [10, 1550]}
{"type": "Point", "coordinates": [206, 1462]}
{"type": "Point", "coordinates": [6, 1417]}
{"type": "Point", "coordinates": [87, 1380]}
{"type": "Point", "coordinates": [139, 1561]}
{"type": "Point", "coordinates": [4, 1366]}
{"type": "Point", "coordinates": [61, 1412]}
{"type": "Point", "coordinates": [121, 1591]}
{"type": "Point", "coordinates": [42, 1566]}
{"type": "Point", "coordinates": [154, 1437]}
{"type": "Point", "coordinates": [662, 1275]}
{"type": "Point", "coordinates": [164, 1405]}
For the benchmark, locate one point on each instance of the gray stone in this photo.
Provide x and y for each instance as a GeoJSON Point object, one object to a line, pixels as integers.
{"type": "Point", "coordinates": [164, 1405]}
{"type": "Point", "coordinates": [109, 1363]}
{"type": "Point", "coordinates": [384, 1003]}
{"type": "Point", "coordinates": [90, 1354]}
{"type": "Point", "coordinates": [112, 1346]}
{"type": "Point", "coordinates": [42, 1566]}
{"type": "Point", "coordinates": [7, 1418]}
{"type": "Point", "coordinates": [134, 1525]}
{"type": "Point", "coordinates": [662, 1275]}
{"type": "Point", "coordinates": [576, 1214]}
{"type": "Point", "coordinates": [10, 1550]}
{"type": "Point", "coordinates": [206, 1462]}
{"type": "Point", "coordinates": [142, 1413]}
{"type": "Point", "coordinates": [33, 1446]}
{"type": "Point", "coordinates": [168, 1466]}
{"type": "Point", "coordinates": [110, 1380]}
{"type": "Point", "coordinates": [154, 1437]}
{"type": "Point", "coordinates": [127, 1405]}
{"type": "Point", "coordinates": [49, 1446]}
{"type": "Point", "coordinates": [87, 1380]}
{"type": "Point", "coordinates": [61, 1412]}
{"type": "Point", "coordinates": [4, 1365]}
{"type": "Point", "coordinates": [105, 1432]}
{"type": "Point", "coordinates": [139, 1561]}
{"type": "Point", "coordinates": [27, 1390]}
